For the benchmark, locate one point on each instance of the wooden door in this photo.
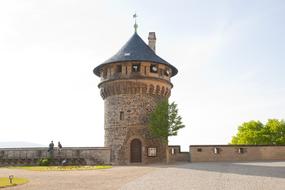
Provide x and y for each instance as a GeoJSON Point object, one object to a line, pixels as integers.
{"type": "Point", "coordinates": [136, 151]}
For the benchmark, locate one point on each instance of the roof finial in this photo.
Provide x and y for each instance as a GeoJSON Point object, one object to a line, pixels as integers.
{"type": "Point", "coordinates": [136, 25]}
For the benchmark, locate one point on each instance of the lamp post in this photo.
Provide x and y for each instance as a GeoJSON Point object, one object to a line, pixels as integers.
{"type": "Point", "coordinates": [11, 179]}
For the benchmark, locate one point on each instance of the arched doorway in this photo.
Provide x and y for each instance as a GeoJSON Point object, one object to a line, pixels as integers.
{"type": "Point", "coordinates": [136, 151]}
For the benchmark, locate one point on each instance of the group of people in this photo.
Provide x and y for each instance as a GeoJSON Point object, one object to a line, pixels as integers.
{"type": "Point", "coordinates": [51, 147]}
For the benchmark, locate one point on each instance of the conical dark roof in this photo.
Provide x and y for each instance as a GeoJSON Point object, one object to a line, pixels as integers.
{"type": "Point", "coordinates": [135, 50]}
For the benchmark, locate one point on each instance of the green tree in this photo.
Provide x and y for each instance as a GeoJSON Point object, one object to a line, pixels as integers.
{"type": "Point", "coordinates": [164, 120]}
{"type": "Point", "coordinates": [274, 130]}
{"type": "Point", "coordinates": [254, 132]}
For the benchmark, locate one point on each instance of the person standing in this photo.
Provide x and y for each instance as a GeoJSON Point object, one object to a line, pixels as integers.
{"type": "Point", "coordinates": [50, 149]}
{"type": "Point", "coordinates": [51, 146]}
{"type": "Point", "coordinates": [59, 147]}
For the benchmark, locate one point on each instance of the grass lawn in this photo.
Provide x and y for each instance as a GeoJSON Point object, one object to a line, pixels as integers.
{"type": "Point", "coordinates": [59, 168]}
{"type": "Point", "coordinates": [4, 181]}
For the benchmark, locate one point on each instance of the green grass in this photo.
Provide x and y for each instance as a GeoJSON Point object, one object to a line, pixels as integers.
{"type": "Point", "coordinates": [4, 181]}
{"type": "Point", "coordinates": [60, 168]}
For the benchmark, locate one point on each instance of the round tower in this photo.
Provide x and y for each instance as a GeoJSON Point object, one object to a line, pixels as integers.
{"type": "Point", "coordinates": [133, 81]}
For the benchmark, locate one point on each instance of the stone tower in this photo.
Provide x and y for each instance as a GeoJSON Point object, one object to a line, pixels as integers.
{"type": "Point", "coordinates": [133, 81]}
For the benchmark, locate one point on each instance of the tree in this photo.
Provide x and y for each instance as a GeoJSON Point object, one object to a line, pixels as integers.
{"type": "Point", "coordinates": [164, 122]}
{"type": "Point", "coordinates": [254, 132]}
{"type": "Point", "coordinates": [274, 130]}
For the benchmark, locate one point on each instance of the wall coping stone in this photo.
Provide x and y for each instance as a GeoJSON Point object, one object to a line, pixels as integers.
{"type": "Point", "coordinates": [64, 148]}
{"type": "Point", "coordinates": [238, 145]}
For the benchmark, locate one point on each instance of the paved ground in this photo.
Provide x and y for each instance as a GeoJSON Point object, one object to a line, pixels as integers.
{"type": "Point", "coordinates": [214, 176]}
{"type": "Point", "coordinates": [190, 176]}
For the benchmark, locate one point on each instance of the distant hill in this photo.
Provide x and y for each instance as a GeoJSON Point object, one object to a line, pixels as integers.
{"type": "Point", "coordinates": [19, 144]}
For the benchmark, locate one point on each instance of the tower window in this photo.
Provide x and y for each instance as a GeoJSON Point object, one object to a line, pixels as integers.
{"type": "Point", "coordinates": [118, 68]}
{"type": "Point", "coordinates": [167, 72]}
{"type": "Point", "coordinates": [136, 68]}
{"type": "Point", "coordinates": [160, 72]}
{"type": "Point", "coordinates": [153, 69]}
{"type": "Point", "coordinates": [121, 115]}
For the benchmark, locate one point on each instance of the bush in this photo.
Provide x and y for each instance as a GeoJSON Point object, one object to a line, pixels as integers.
{"type": "Point", "coordinates": [45, 162]}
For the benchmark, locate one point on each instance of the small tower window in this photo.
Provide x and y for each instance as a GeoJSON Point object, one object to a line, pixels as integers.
{"type": "Point", "coordinates": [160, 72]}
{"type": "Point", "coordinates": [118, 68]}
{"type": "Point", "coordinates": [121, 115]}
{"type": "Point", "coordinates": [153, 69]}
{"type": "Point", "coordinates": [167, 72]}
{"type": "Point", "coordinates": [136, 68]}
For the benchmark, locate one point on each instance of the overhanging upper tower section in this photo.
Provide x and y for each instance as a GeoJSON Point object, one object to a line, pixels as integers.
{"type": "Point", "coordinates": [138, 51]}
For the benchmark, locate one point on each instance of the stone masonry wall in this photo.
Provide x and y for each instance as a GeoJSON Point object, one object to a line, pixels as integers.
{"type": "Point", "coordinates": [129, 98]}
{"type": "Point", "coordinates": [78, 155]}
{"type": "Point", "coordinates": [175, 154]}
{"type": "Point", "coordinates": [119, 133]}
{"type": "Point", "coordinates": [216, 153]}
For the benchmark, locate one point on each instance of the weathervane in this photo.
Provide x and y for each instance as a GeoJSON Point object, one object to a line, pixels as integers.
{"type": "Point", "coordinates": [136, 25]}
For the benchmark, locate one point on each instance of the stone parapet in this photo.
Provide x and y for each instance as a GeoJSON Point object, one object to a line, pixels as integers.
{"type": "Point", "coordinates": [74, 155]}
{"type": "Point", "coordinates": [220, 153]}
{"type": "Point", "coordinates": [175, 154]}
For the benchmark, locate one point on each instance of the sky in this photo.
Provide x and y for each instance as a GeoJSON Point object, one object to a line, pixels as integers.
{"type": "Point", "coordinates": [229, 54]}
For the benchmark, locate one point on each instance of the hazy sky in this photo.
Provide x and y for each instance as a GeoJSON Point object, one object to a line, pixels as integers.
{"type": "Point", "coordinates": [230, 56]}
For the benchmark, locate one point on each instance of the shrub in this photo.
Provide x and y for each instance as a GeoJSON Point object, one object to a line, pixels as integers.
{"type": "Point", "coordinates": [45, 161]}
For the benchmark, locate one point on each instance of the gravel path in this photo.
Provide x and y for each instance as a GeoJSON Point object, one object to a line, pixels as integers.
{"type": "Point", "coordinates": [190, 176]}
{"type": "Point", "coordinates": [104, 179]}
{"type": "Point", "coordinates": [214, 176]}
